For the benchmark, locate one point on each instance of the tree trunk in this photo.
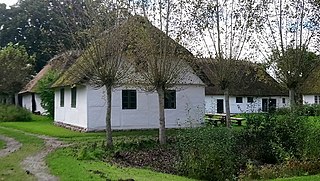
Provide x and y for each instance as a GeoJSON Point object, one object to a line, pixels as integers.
{"type": "Point", "coordinates": [227, 103]}
{"type": "Point", "coordinates": [291, 97]}
{"type": "Point", "coordinates": [109, 142]}
{"type": "Point", "coordinates": [162, 128]}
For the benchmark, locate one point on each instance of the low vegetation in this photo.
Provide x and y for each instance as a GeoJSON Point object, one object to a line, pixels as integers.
{"type": "Point", "coordinates": [11, 113]}
{"type": "Point", "coordinates": [2, 144]}
{"type": "Point", "coordinates": [10, 168]}
{"type": "Point", "coordinates": [268, 146]}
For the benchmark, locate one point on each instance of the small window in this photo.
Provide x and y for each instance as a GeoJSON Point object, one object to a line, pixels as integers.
{"type": "Point", "coordinates": [250, 99]}
{"type": "Point", "coordinates": [283, 100]}
{"type": "Point", "coordinates": [239, 100]}
{"type": "Point", "coordinates": [73, 97]}
{"type": "Point", "coordinates": [316, 99]}
{"type": "Point", "coordinates": [129, 99]}
{"type": "Point", "coordinates": [62, 97]}
{"type": "Point", "coordinates": [170, 99]}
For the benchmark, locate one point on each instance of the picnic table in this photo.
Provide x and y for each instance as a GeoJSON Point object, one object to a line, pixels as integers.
{"type": "Point", "coordinates": [214, 118]}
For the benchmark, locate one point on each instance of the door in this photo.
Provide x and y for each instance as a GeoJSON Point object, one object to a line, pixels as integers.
{"type": "Point", "coordinates": [269, 105]}
{"type": "Point", "coordinates": [220, 106]}
{"type": "Point", "coordinates": [264, 105]}
{"type": "Point", "coordinates": [272, 105]}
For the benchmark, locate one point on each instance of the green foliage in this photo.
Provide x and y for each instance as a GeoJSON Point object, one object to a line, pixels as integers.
{"type": "Point", "coordinates": [300, 110]}
{"type": "Point", "coordinates": [46, 93]}
{"type": "Point", "coordinates": [287, 169]}
{"type": "Point", "coordinates": [207, 153]}
{"type": "Point", "coordinates": [91, 151]}
{"type": "Point", "coordinates": [16, 67]}
{"type": "Point", "coordinates": [273, 139]}
{"type": "Point", "coordinates": [312, 143]}
{"type": "Point", "coordinates": [10, 113]}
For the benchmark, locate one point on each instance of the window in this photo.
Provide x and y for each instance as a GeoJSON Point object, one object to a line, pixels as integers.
{"type": "Point", "coordinates": [62, 97]}
{"type": "Point", "coordinates": [170, 99]}
{"type": "Point", "coordinates": [250, 99]}
{"type": "Point", "coordinates": [73, 97]}
{"type": "Point", "coordinates": [129, 99]}
{"type": "Point", "coordinates": [283, 100]}
{"type": "Point", "coordinates": [238, 99]}
{"type": "Point", "coordinates": [316, 99]}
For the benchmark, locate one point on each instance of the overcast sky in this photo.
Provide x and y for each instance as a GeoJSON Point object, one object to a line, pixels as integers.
{"type": "Point", "coordinates": [8, 2]}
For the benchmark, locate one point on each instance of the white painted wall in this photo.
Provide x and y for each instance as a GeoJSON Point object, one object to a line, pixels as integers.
{"type": "Point", "coordinates": [74, 116]}
{"type": "Point", "coordinates": [27, 102]}
{"type": "Point", "coordinates": [308, 99]}
{"type": "Point", "coordinates": [38, 104]}
{"type": "Point", "coordinates": [189, 109]}
{"type": "Point", "coordinates": [244, 107]}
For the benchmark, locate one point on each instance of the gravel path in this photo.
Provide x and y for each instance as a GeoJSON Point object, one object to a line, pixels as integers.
{"type": "Point", "coordinates": [36, 164]}
{"type": "Point", "coordinates": [11, 146]}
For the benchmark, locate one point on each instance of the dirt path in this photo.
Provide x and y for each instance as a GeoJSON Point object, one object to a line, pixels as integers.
{"type": "Point", "coordinates": [11, 146]}
{"type": "Point", "coordinates": [36, 164]}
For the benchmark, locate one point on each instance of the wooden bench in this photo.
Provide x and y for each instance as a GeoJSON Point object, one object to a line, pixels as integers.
{"type": "Point", "coordinates": [214, 121]}
{"type": "Point", "coordinates": [238, 120]}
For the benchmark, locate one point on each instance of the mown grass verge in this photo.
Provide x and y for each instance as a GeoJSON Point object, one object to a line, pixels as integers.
{"type": "Point", "coordinates": [2, 144]}
{"type": "Point", "coordinates": [68, 168]}
{"type": "Point", "coordinates": [302, 178]}
{"type": "Point", "coordinates": [10, 168]}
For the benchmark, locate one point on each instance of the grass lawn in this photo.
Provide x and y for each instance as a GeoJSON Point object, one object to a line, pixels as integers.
{"type": "Point", "coordinates": [10, 168]}
{"type": "Point", "coordinates": [61, 163]}
{"type": "Point", "coordinates": [44, 126]}
{"type": "Point", "coordinates": [2, 144]}
{"type": "Point", "coordinates": [303, 178]}
{"type": "Point", "coordinates": [69, 168]}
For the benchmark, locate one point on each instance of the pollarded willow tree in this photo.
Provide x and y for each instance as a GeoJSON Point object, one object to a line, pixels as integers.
{"type": "Point", "coordinates": [162, 63]}
{"type": "Point", "coordinates": [225, 30]}
{"type": "Point", "coordinates": [99, 35]}
{"type": "Point", "coordinates": [286, 32]}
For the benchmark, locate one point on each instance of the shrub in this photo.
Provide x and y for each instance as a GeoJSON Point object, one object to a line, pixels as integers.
{"type": "Point", "coordinates": [46, 92]}
{"type": "Point", "coordinates": [286, 169]}
{"type": "Point", "coordinates": [300, 110]}
{"type": "Point", "coordinates": [312, 143]}
{"type": "Point", "coordinates": [206, 153]}
{"type": "Point", "coordinates": [11, 113]}
{"type": "Point", "coordinates": [273, 139]}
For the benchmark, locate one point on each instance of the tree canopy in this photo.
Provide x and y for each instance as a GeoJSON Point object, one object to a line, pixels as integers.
{"type": "Point", "coordinates": [16, 68]}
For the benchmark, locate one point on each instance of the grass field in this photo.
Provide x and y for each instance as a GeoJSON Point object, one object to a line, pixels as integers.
{"type": "Point", "coordinates": [10, 168]}
{"type": "Point", "coordinates": [69, 168]}
{"type": "Point", "coordinates": [2, 144]}
{"type": "Point", "coordinates": [63, 164]}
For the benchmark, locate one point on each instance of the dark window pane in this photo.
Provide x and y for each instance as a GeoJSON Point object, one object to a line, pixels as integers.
{"type": "Point", "coordinates": [238, 99]}
{"type": "Point", "coordinates": [250, 99]}
{"type": "Point", "coordinates": [170, 99]}
{"type": "Point", "coordinates": [62, 97]}
{"type": "Point", "coordinates": [73, 97]}
{"type": "Point", "coordinates": [129, 99]}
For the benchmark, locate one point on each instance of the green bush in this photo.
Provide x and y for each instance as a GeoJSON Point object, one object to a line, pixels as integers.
{"type": "Point", "coordinates": [301, 110]}
{"type": "Point", "coordinates": [11, 113]}
{"type": "Point", "coordinates": [273, 138]}
{"type": "Point", "coordinates": [46, 92]}
{"type": "Point", "coordinates": [286, 169]}
{"type": "Point", "coordinates": [312, 143]}
{"type": "Point", "coordinates": [207, 153]}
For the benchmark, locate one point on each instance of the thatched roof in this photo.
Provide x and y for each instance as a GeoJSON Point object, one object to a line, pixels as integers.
{"type": "Point", "coordinates": [126, 29]}
{"type": "Point", "coordinates": [311, 86]}
{"type": "Point", "coordinates": [59, 63]}
{"type": "Point", "coordinates": [252, 80]}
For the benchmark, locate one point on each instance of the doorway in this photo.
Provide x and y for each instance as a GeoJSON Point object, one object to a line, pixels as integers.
{"type": "Point", "coordinates": [220, 106]}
